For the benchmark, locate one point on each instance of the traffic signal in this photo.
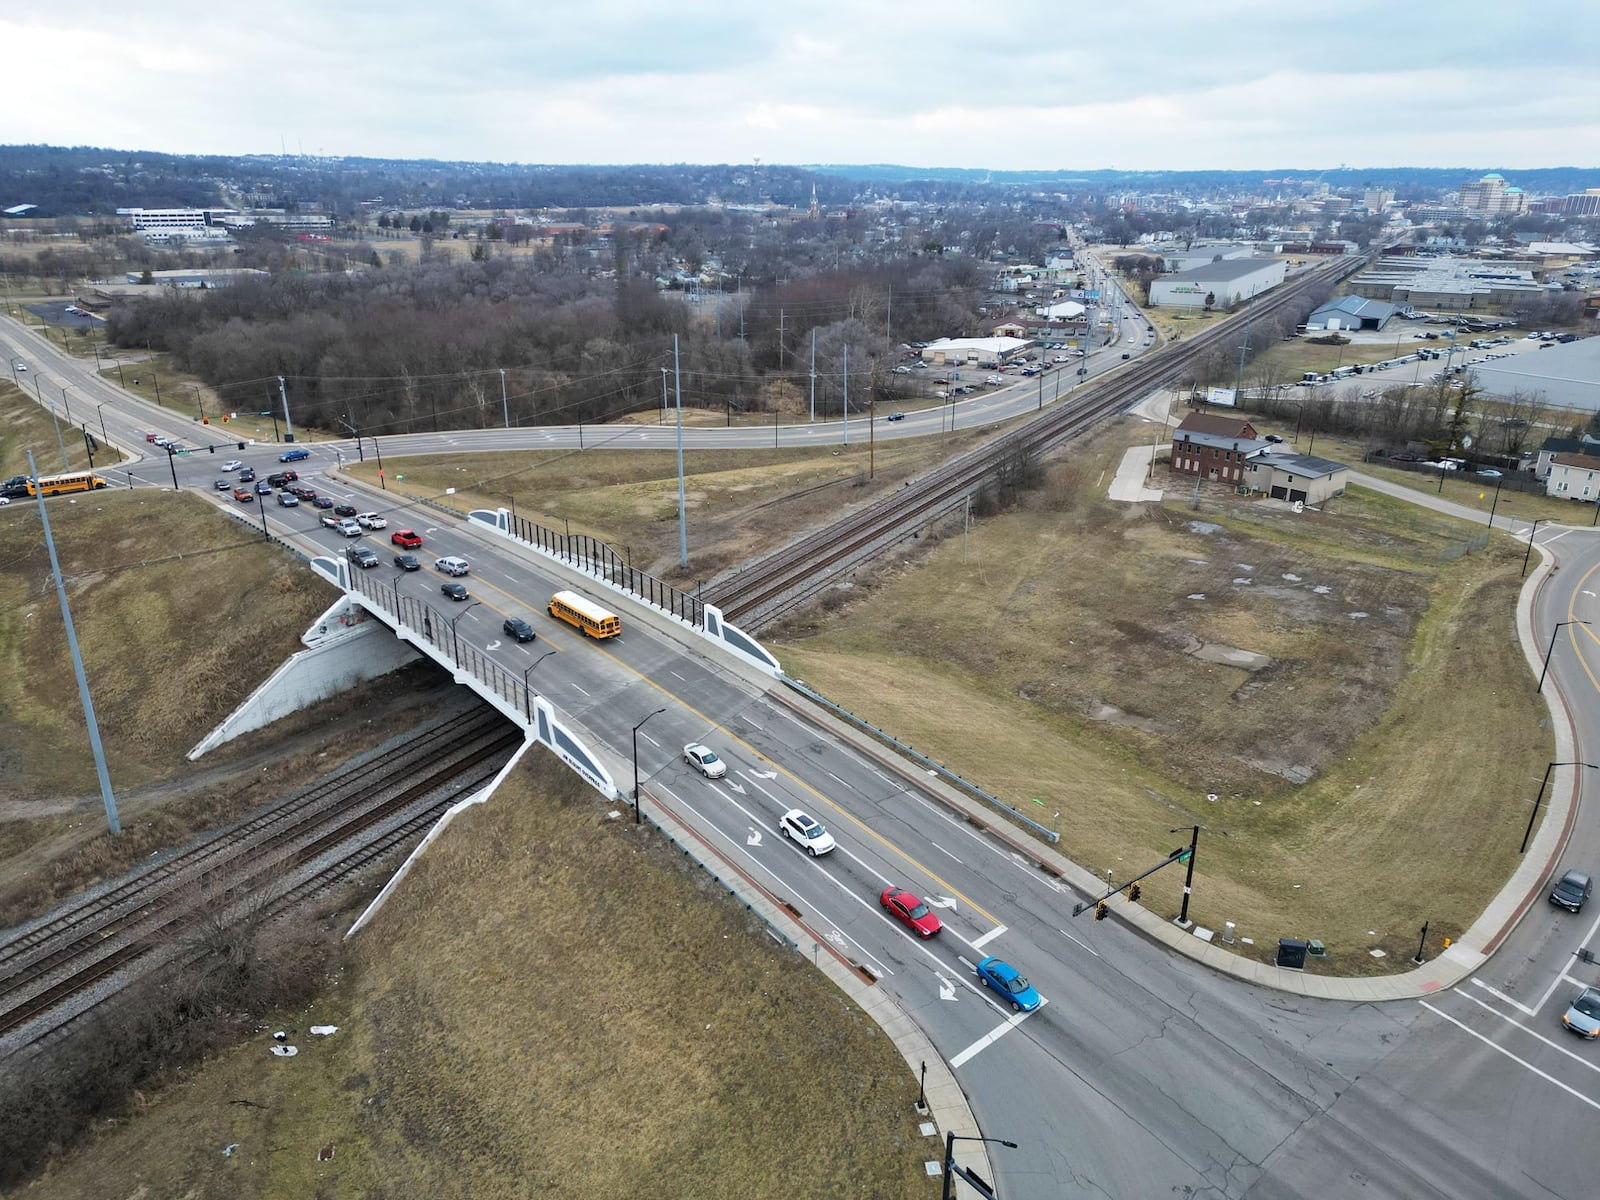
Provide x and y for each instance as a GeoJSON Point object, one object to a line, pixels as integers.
{"type": "Point", "coordinates": [1133, 893]}
{"type": "Point", "coordinates": [1100, 911]}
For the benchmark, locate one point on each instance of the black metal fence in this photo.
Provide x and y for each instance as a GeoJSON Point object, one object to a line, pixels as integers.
{"type": "Point", "coordinates": [592, 554]}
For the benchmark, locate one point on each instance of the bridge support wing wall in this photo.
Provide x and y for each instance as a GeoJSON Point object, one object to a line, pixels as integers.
{"type": "Point", "coordinates": [344, 647]}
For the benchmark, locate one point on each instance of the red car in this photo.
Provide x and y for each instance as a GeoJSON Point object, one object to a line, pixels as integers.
{"type": "Point", "coordinates": [910, 912]}
{"type": "Point", "coordinates": [405, 537]}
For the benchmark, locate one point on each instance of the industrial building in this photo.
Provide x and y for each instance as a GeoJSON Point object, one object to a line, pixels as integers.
{"type": "Point", "coordinates": [1451, 284]}
{"type": "Point", "coordinates": [1174, 259]}
{"type": "Point", "coordinates": [1567, 375]}
{"type": "Point", "coordinates": [1218, 284]}
{"type": "Point", "coordinates": [1350, 312]}
{"type": "Point", "coordinates": [985, 352]}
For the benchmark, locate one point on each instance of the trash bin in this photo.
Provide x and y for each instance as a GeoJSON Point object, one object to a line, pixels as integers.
{"type": "Point", "coordinates": [1292, 953]}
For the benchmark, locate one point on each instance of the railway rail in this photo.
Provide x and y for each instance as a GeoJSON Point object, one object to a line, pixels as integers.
{"type": "Point", "coordinates": [761, 593]}
{"type": "Point", "coordinates": [52, 969]}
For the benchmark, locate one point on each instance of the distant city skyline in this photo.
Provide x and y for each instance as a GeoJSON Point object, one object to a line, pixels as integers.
{"type": "Point", "coordinates": [1157, 85]}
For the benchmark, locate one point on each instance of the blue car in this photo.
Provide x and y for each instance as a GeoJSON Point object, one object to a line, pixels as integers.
{"type": "Point", "coordinates": [294, 455]}
{"type": "Point", "coordinates": [1006, 980]}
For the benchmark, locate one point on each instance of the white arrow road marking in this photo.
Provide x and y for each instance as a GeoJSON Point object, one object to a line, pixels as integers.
{"type": "Point", "coordinates": [495, 645]}
{"type": "Point", "coordinates": [947, 987]}
{"type": "Point", "coordinates": [736, 787]}
{"type": "Point", "coordinates": [762, 774]}
{"type": "Point", "coordinates": [755, 837]}
{"type": "Point", "coordinates": [940, 902]}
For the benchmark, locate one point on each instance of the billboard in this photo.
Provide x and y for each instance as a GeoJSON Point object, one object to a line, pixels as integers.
{"type": "Point", "coordinates": [1222, 396]}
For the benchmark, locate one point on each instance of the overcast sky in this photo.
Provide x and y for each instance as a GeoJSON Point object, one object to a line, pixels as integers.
{"type": "Point", "coordinates": [1173, 84]}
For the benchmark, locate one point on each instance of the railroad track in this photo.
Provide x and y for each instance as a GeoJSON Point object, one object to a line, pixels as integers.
{"type": "Point", "coordinates": [761, 593]}
{"type": "Point", "coordinates": [257, 867]}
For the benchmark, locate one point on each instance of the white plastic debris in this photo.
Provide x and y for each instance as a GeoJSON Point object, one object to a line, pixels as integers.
{"type": "Point", "coordinates": [286, 1051]}
{"type": "Point", "coordinates": [280, 1036]}
{"type": "Point", "coordinates": [324, 1030]}
{"type": "Point", "coordinates": [227, 1151]}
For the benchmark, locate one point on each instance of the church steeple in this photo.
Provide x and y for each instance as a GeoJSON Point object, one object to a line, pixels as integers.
{"type": "Point", "coordinates": [812, 211]}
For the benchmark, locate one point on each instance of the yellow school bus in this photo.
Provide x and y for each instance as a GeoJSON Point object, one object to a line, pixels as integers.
{"type": "Point", "coordinates": [587, 617]}
{"type": "Point", "coordinates": [76, 481]}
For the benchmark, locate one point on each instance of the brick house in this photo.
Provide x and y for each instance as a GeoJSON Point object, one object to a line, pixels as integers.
{"type": "Point", "coordinates": [1214, 446]}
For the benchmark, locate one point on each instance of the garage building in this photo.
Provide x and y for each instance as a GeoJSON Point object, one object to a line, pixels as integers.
{"type": "Point", "coordinates": [1218, 284]}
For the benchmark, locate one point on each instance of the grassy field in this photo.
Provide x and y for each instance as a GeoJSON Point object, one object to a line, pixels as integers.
{"type": "Point", "coordinates": [554, 1004]}
{"type": "Point", "coordinates": [179, 614]}
{"type": "Point", "coordinates": [740, 502]}
{"type": "Point", "coordinates": [1076, 635]}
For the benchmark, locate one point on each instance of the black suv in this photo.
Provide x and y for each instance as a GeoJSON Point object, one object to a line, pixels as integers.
{"type": "Point", "coordinates": [1572, 890]}
{"type": "Point", "coordinates": [519, 629]}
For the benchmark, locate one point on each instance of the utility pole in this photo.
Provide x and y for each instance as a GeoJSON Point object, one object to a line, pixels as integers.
{"type": "Point", "coordinates": [288, 425]}
{"type": "Point", "coordinates": [847, 393]}
{"type": "Point", "coordinates": [110, 802]}
{"type": "Point", "coordinates": [813, 375]}
{"type": "Point", "coordinates": [505, 407]}
{"type": "Point", "coordinates": [780, 341]}
{"type": "Point", "coordinates": [683, 515]}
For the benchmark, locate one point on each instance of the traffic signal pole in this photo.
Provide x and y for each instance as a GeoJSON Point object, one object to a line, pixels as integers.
{"type": "Point", "coordinates": [1177, 855]}
{"type": "Point", "coordinates": [1188, 879]}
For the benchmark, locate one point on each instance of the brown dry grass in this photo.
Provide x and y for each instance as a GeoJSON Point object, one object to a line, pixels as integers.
{"type": "Point", "coordinates": [741, 503]}
{"type": "Point", "coordinates": [1065, 634]}
{"type": "Point", "coordinates": [609, 1025]}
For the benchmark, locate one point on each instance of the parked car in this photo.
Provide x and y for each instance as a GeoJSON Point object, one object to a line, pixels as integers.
{"type": "Point", "coordinates": [406, 538]}
{"type": "Point", "coordinates": [1273, 438]}
{"type": "Point", "coordinates": [801, 828]}
{"type": "Point", "coordinates": [363, 556]}
{"type": "Point", "coordinates": [451, 565]}
{"type": "Point", "coordinates": [518, 628]}
{"type": "Point", "coordinates": [298, 454]}
{"type": "Point", "coordinates": [1001, 977]}
{"type": "Point", "coordinates": [408, 562]}
{"type": "Point", "coordinates": [371, 521]}
{"type": "Point", "coordinates": [1583, 1014]}
{"type": "Point", "coordinates": [1488, 473]}
{"type": "Point", "coordinates": [453, 590]}
{"type": "Point", "coordinates": [704, 759]}
{"type": "Point", "coordinates": [1571, 890]}
{"type": "Point", "coordinates": [910, 911]}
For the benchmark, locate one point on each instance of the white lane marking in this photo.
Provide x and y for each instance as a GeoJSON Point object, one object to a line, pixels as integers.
{"type": "Point", "coordinates": [947, 987]}
{"type": "Point", "coordinates": [1531, 1033]}
{"type": "Point", "coordinates": [579, 689]}
{"type": "Point", "coordinates": [675, 675]}
{"type": "Point", "coordinates": [1588, 937]}
{"type": "Point", "coordinates": [1501, 1049]}
{"type": "Point", "coordinates": [990, 1039]}
{"type": "Point", "coordinates": [985, 939]}
{"type": "Point", "coordinates": [1517, 1004]}
{"type": "Point", "coordinates": [837, 780]}
{"type": "Point", "coordinates": [945, 852]}
{"type": "Point", "coordinates": [1085, 945]}
{"type": "Point", "coordinates": [651, 740]}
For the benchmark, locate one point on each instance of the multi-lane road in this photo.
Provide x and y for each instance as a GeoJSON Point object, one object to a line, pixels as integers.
{"type": "Point", "coordinates": [1144, 1074]}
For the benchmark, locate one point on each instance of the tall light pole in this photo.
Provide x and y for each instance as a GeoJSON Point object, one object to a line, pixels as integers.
{"type": "Point", "coordinates": [455, 638]}
{"type": "Point", "coordinates": [1188, 878]}
{"type": "Point", "coordinates": [505, 405]}
{"type": "Point", "coordinates": [1551, 650]}
{"type": "Point", "coordinates": [99, 411]}
{"type": "Point", "coordinates": [527, 689]}
{"type": "Point", "coordinates": [1528, 553]}
{"type": "Point", "coordinates": [1528, 833]}
{"type": "Point", "coordinates": [952, 1168]}
{"type": "Point", "coordinates": [636, 729]}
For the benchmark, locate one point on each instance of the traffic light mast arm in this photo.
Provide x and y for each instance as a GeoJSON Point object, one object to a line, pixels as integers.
{"type": "Point", "coordinates": [1179, 855]}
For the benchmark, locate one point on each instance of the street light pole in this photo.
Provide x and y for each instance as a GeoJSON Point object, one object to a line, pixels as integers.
{"type": "Point", "coordinates": [636, 729]}
{"type": "Point", "coordinates": [1528, 553]}
{"type": "Point", "coordinates": [455, 638]}
{"type": "Point", "coordinates": [527, 688]}
{"type": "Point", "coordinates": [1188, 879]}
{"type": "Point", "coordinates": [1551, 650]}
{"type": "Point", "coordinates": [99, 411]}
{"type": "Point", "coordinates": [952, 1168]}
{"type": "Point", "coordinates": [1528, 833]}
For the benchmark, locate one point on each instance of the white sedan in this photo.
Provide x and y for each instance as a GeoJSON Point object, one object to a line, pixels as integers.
{"type": "Point", "coordinates": [233, 464]}
{"type": "Point", "coordinates": [800, 827]}
{"type": "Point", "coordinates": [705, 760]}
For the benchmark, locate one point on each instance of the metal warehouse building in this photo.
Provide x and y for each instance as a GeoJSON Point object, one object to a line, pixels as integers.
{"type": "Point", "coordinates": [1218, 284]}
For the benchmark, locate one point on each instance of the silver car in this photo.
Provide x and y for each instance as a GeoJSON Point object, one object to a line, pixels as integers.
{"type": "Point", "coordinates": [1583, 1014]}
